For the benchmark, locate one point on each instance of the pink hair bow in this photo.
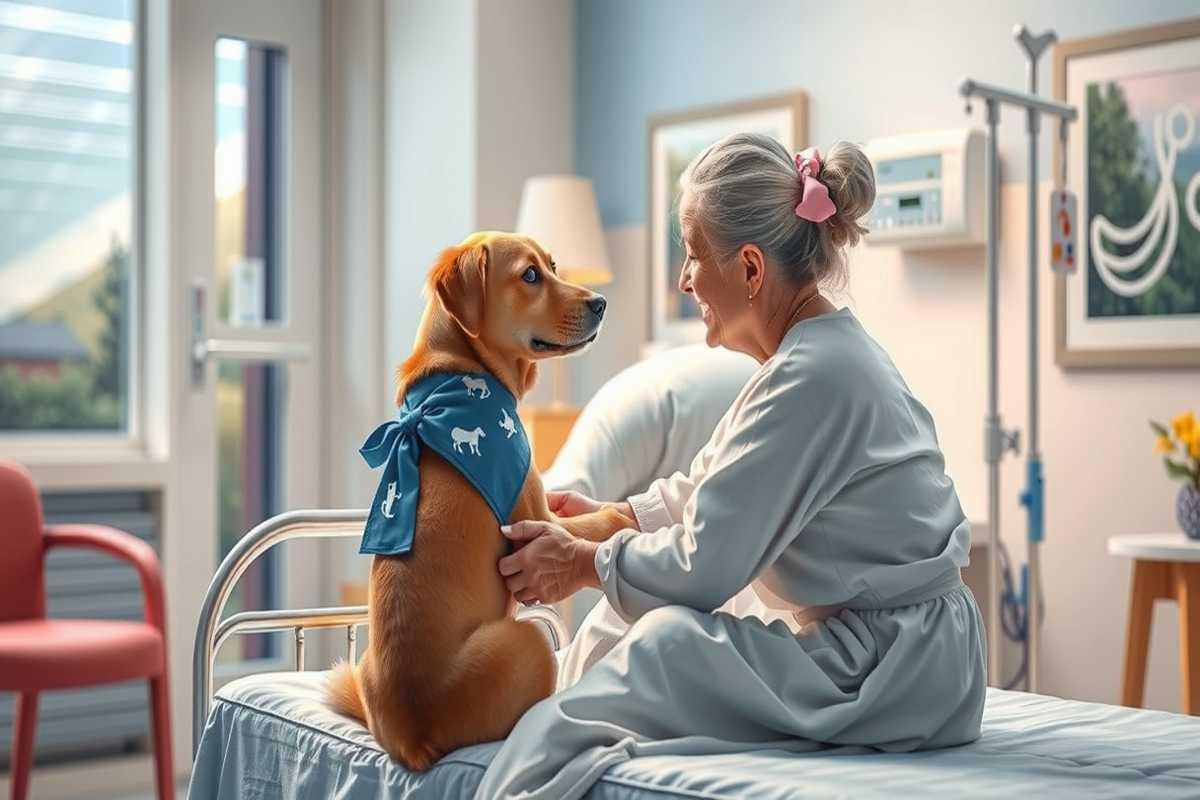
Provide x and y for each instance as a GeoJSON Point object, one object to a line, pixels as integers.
{"type": "Point", "coordinates": [815, 205]}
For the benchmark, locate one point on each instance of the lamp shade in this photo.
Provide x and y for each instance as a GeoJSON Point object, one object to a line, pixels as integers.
{"type": "Point", "coordinates": [559, 211]}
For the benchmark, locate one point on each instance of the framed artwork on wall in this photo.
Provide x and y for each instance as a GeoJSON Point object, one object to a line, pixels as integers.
{"type": "Point", "coordinates": [674, 140]}
{"type": "Point", "coordinates": [1133, 160]}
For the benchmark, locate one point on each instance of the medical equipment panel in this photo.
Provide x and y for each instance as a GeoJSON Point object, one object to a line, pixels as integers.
{"type": "Point", "coordinates": [929, 189]}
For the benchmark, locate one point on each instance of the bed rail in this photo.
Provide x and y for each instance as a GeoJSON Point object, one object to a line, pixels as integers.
{"type": "Point", "coordinates": [212, 632]}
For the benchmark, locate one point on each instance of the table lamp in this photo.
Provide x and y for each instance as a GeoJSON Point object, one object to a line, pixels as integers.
{"type": "Point", "coordinates": [559, 211]}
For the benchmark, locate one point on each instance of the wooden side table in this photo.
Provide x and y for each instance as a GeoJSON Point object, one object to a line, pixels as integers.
{"type": "Point", "coordinates": [547, 428]}
{"type": "Point", "coordinates": [1166, 566]}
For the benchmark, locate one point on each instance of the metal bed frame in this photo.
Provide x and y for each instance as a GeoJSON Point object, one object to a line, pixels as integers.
{"type": "Point", "coordinates": [212, 631]}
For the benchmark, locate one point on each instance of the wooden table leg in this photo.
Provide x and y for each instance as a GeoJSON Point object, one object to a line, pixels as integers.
{"type": "Point", "coordinates": [1150, 581]}
{"type": "Point", "coordinates": [1187, 594]}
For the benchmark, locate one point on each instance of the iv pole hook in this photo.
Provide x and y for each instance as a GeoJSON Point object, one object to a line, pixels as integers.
{"type": "Point", "coordinates": [1033, 45]}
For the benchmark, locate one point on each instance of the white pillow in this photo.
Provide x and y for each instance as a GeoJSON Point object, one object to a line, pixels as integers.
{"type": "Point", "coordinates": [648, 421]}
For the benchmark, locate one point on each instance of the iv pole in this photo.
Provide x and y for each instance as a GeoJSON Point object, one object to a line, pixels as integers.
{"type": "Point", "coordinates": [1032, 497]}
{"type": "Point", "coordinates": [997, 440]}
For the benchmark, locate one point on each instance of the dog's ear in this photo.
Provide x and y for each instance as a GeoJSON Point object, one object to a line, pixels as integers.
{"type": "Point", "coordinates": [458, 281]}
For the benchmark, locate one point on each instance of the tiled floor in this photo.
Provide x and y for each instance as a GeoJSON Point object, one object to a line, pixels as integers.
{"type": "Point", "coordinates": [180, 793]}
{"type": "Point", "coordinates": [126, 778]}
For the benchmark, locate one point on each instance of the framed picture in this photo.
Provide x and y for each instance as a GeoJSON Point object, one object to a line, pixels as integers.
{"type": "Point", "coordinates": [1133, 161]}
{"type": "Point", "coordinates": [674, 140]}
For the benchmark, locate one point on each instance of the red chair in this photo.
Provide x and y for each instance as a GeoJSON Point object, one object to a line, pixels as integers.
{"type": "Point", "coordinates": [37, 653]}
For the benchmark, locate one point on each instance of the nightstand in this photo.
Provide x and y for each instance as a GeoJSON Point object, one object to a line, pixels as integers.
{"type": "Point", "coordinates": [547, 428]}
{"type": "Point", "coordinates": [1166, 566]}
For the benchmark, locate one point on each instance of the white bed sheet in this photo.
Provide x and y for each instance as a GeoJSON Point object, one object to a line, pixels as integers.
{"type": "Point", "coordinates": [271, 736]}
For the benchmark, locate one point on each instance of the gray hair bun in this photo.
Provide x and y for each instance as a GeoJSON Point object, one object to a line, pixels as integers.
{"type": "Point", "coordinates": [851, 180]}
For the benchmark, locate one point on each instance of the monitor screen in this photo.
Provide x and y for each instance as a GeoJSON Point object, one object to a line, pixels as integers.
{"type": "Point", "coordinates": [916, 168]}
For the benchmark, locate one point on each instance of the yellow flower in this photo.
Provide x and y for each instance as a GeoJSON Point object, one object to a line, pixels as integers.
{"type": "Point", "coordinates": [1184, 424]}
{"type": "Point", "coordinates": [1194, 446]}
{"type": "Point", "coordinates": [1163, 444]}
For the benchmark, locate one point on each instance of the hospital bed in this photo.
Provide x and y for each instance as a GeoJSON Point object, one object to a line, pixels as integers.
{"type": "Point", "coordinates": [272, 736]}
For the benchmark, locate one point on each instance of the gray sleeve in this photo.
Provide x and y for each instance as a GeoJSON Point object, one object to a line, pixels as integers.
{"type": "Point", "coordinates": [765, 479]}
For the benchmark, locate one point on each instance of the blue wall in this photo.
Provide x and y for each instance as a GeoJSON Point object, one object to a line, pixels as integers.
{"type": "Point", "coordinates": [871, 68]}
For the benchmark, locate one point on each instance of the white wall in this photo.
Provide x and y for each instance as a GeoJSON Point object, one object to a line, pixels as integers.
{"type": "Point", "coordinates": [355, 341]}
{"type": "Point", "coordinates": [430, 134]}
{"type": "Point", "coordinates": [356, 332]}
{"type": "Point", "coordinates": [525, 83]}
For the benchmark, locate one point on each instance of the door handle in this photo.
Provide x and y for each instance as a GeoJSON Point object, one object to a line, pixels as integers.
{"type": "Point", "coordinates": [203, 348]}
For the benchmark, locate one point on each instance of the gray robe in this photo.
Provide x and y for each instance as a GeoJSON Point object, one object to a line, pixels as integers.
{"type": "Point", "coordinates": [824, 488]}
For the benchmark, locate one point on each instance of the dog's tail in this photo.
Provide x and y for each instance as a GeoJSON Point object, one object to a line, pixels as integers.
{"type": "Point", "coordinates": [343, 692]}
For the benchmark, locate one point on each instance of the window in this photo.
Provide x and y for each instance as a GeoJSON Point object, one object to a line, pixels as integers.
{"type": "Point", "coordinates": [248, 192]}
{"type": "Point", "coordinates": [68, 176]}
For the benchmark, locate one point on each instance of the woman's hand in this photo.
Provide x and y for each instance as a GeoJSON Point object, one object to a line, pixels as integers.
{"type": "Point", "coordinates": [551, 564]}
{"type": "Point", "coordinates": [570, 503]}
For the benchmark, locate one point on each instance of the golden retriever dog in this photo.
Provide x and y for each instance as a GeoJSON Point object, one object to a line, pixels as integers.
{"type": "Point", "coordinates": [448, 664]}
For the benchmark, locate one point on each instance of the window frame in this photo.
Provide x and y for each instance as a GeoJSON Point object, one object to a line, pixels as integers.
{"type": "Point", "coordinates": [85, 457]}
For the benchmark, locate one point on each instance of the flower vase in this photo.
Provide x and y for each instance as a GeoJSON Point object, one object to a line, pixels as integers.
{"type": "Point", "coordinates": [1187, 510]}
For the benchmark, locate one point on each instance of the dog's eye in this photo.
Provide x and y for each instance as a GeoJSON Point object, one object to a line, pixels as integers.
{"type": "Point", "coordinates": [530, 275]}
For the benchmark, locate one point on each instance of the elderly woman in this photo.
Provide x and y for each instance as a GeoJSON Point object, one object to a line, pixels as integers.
{"type": "Point", "coordinates": [823, 486]}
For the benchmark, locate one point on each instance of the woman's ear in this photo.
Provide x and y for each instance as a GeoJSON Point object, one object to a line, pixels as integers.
{"type": "Point", "coordinates": [459, 278]}
{"type": "Point", "coordinates": [753, 268]}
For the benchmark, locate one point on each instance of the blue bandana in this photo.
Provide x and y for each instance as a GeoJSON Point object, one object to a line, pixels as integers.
{"type": "Point", "coordinates": [469, 420]}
